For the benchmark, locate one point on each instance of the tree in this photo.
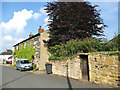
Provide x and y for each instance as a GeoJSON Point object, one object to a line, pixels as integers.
{"type": "Point", "coordinates": [73, 20]}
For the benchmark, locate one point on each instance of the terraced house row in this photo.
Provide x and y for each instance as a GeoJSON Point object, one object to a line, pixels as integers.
{"type": "Point", "coordinates": [41, 54]}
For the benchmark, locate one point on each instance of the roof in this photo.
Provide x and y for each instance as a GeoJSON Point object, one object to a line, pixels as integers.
{"type": "Point", "coordinates": [10, 57]}
{"type": "Point", "coordinates": [30, 38]}
{"type": "Point", "coordinates": [115, 38]}
{"type": "Point", "coordinates": [8, 52]}
{"type": "Point", "coordinates": [27, 39]}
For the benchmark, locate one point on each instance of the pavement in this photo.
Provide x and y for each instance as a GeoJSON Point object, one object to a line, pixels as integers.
{"type": "Point", "coordinates": [12, 78]}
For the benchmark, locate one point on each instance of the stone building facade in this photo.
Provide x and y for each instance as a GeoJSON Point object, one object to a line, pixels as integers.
{"type": "Point", "coordinates": [41, 55]}
{"type": "Point", "coordinates": [99, 68]}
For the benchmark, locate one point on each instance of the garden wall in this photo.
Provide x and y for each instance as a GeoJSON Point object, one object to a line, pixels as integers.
{"type": "Point", "coordinates": [103, 68]}
{"type": "Point", "coordinates": [67, 67]}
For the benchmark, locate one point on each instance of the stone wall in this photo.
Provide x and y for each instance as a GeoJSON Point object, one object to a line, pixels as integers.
{"type": "Point", "coordinates": [62, 67]}
{"type": "Point", "coordinates": [103, 68]}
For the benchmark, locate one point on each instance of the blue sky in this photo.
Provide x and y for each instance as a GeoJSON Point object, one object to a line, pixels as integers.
{"type": "Point", "coordinates": [31, 15]}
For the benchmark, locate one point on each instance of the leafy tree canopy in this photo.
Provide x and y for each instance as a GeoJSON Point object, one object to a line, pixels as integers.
{"type": "Point", "coordinates": [73, 20]}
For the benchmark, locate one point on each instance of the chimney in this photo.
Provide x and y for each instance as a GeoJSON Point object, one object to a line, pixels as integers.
{"type": "Point", "coordinates": [30, 34]}
{"type": "Point", "coordinates": [40, 30]}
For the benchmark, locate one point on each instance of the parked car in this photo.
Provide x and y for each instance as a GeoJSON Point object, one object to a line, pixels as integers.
{"type": "Point", "coordinates": [10, 62]}
{"type": "Point", "coordinates": [23, 64]}
{"type": "Point", "coordinates": [7, 62]}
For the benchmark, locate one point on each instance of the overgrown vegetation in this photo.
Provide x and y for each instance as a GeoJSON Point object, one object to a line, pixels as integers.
{"type": "Point", "coordinates": [60, 58]}
{"type": "Point", "coordinates": [25, 52]}
{"type": "Point", "coordinates": [34, 67]}
{"type": "Point", "coordinates": [86, 45]}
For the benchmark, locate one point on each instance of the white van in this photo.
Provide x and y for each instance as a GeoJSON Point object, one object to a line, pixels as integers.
{"type": "Point", "coordinates": [23, 64]}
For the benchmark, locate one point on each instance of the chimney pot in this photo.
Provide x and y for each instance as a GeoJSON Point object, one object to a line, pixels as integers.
{"type": "Point", "coordinates": [30, 34]}
{"type": "Point", "coordinates": [40, 30]}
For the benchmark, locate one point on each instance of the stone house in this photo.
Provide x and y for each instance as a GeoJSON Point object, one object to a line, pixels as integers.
{"type": "Point", "coordinates": [41, 54]}
{"type": "Point", "coordinates": [5, 55]}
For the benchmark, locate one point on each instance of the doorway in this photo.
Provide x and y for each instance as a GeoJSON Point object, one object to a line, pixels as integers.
{"type": "Point", "coordinates": [84, 67]}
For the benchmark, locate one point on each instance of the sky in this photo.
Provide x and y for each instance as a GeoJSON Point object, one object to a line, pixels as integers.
{"type": "Point", "coordinates": [21, 18]}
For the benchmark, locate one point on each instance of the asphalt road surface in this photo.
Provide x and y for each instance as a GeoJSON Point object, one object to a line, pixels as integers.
{"type": "Point", "coordinates": [0, 77]}
{"type": "Point", "coordinates": [12, 78]}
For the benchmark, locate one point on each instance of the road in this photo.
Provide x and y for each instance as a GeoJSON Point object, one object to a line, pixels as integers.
{"type": "Point", "coordinates": [12, 78]}
{"type": "Point", "coordinates": [0, 77]}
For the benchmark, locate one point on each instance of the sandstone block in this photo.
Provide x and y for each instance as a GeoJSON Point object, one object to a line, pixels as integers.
{"type": "Point", "coordinates": [110, 61]}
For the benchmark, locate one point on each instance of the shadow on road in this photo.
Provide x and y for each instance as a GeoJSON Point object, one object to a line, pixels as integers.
{"type": "Point", "coordinates": [68, 80]}
{"type": "Point", "coordinates": [16, 79]}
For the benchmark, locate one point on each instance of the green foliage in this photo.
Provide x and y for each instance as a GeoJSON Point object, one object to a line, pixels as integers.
{"type": "Point", "coordinates": [108, 52]}
{"type": "Point", "coordinates": [114, 44]}
{"type": "Point", "coordinates": [63, 51]}
{"type": "Point", "coordinates": [34, 67]}
{"type": "Point", "coordinates": [25, 52]}
{"type": "Point", "coordinates": [60, 58]}
{"type": "Point", "coordinates": [74, 46]}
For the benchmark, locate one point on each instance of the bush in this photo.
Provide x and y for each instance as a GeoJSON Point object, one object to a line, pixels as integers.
{"type": "Point", "coordinates": [60, 58]}
{"type": "Point", "coordinates": [74, 46]}
{"type": "Point", "coordinates": [34, 67]}
{"type": "Point", "coordinates": [64, 51]}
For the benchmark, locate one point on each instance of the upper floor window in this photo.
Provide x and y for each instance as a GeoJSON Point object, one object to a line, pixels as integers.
{"type": "Point", "coordinates": [24, 45]}
{"type": "Point", "coordinates": [17, 47]}
{"type": "Point", "coordinates": [35, 41]}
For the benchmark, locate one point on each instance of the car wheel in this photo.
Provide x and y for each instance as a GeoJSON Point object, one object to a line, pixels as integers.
{"type": "Point", "coordinates": [16, 68]}
{"type": "Point", "coordinates": [20, 69]}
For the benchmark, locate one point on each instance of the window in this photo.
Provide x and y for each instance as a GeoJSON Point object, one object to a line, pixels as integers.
{"type": "Point", "coordinates": [35, 40]}
{"type": "Point", "coordinates": [17, 47]}
{"type": "Point", "coordinates": [24, 45]}
{"type": "Point", "coordinates": [18, 62]}
{"type": "Point", "coordinates": [24, 61]}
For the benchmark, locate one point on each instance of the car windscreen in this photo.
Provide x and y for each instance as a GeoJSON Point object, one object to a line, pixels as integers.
{"type": "Point", "coordinates": [25, 61]}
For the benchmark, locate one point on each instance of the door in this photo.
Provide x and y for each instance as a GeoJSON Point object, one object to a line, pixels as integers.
{"type": "Point", "coordinates": [85, 67]}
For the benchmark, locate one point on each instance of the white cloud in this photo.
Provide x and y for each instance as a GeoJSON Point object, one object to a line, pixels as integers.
{"type": "Point", "coordinates": [8, 38]}
{"type": "Point", "coordinates": [45, 23]}
{"type": "Point", "coordinates": [17, 23]}
{"type": "Point", "coordinates": [8, 42]}
{"type": "Point", "coordinates": [19, 40]}
{"type": "Point", "coordinates": [43, 11]}
{"type": "Point", "coordinates": [13, 31]}
{"type": "Point", "coordinates": [101, 25]}
{"type": "Point", "coordinates": [36, 15]}
{"type": "Point", "coordinates": [46, 20]}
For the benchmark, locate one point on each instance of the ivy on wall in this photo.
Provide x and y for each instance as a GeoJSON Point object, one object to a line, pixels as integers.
{"type": "Point", "coordinates": [24, 52]}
